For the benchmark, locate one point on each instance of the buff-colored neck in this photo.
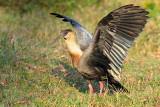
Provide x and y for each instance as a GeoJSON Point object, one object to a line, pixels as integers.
{"type": "Point", "coordinates": [73, 48]}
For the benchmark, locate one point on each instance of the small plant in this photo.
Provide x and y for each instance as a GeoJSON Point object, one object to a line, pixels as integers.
{"type": "Point", "coordinates": [7, 51]}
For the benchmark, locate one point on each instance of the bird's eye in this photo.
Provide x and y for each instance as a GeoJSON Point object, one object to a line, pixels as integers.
{"type": "Point", "coordinates": [65, 33]}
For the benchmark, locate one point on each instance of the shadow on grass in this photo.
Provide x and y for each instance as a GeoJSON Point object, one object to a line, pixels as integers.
{"type": "Point", "coordinates": [73, 78]}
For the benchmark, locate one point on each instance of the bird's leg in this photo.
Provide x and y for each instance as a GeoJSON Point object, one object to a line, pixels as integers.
{"type": "Point", "coordinates": [101, 87]}
{"type": "Point", "coordinates": [90, 86]}
{"type": "Point", "coordinates": [90, 89]}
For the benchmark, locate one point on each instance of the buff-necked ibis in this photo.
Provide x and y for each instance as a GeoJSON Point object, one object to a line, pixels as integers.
{"type": "Point", "coordinates": [100, 58]}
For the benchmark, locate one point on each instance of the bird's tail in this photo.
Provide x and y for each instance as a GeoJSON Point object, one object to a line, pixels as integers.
{"type": "Point", "coordinates": [116, 86]}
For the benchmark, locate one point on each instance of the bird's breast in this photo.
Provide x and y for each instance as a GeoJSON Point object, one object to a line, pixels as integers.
{"type": "Point", "coordinates": [75, 58]}
{"type": "Point", "coordinates": [74, 51]}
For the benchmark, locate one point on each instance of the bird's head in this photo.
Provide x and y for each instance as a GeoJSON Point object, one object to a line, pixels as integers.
{"type": "Point", "coordinates": [65, 34]}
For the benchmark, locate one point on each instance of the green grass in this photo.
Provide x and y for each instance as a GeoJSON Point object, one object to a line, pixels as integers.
{"type": "Point", "coordinates": [33, 73]}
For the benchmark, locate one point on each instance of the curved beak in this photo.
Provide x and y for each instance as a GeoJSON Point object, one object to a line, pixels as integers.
{"type": "Point", "coordinates": [60, 36]}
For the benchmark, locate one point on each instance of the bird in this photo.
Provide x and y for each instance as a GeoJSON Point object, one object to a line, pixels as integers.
{"type": "Point", "coordinates": [100, 57]}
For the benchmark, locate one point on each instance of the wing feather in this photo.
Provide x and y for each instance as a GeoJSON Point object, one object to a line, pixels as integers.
{"type": "Point", "coordinates": [83, 37]}
{"type": "Point", "coordinates": [116, 34]}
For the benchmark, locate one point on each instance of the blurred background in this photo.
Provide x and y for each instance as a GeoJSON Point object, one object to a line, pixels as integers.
{"type": "Point", "coordinates": [32, 72]}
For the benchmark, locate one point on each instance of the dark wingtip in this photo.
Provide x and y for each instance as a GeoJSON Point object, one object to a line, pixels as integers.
{"type": "Point", "coordinates": [53, 13]}
{"type": "Point", "coordinates": [60, 16]}
{"type": "Point", "coordinates": [147, 12]}
{"type": "Point", "coordinates": [65, 20]}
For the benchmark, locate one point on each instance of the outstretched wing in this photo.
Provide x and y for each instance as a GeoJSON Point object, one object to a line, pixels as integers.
{"type": "Point", "coordinates": [114, 35]}
{"type": "Point", "coordinates": [83, 37]}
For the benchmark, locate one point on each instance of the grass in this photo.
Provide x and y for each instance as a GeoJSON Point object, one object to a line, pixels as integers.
{"type": "Point", "coordinates": [33, 73]}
